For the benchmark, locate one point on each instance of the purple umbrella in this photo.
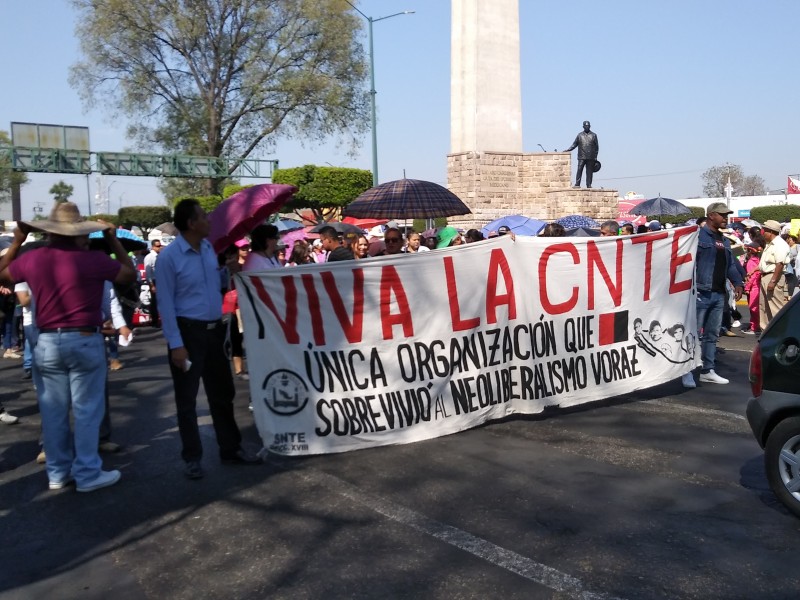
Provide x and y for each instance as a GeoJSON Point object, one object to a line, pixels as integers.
{"type": "Point", "coordinates": [406, 199]}
{"type": "Point", "coordinates": [238, 215]}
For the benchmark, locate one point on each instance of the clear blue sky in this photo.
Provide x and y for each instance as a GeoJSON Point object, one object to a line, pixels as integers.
{"type": "Point", "coordinates": [671, 88]}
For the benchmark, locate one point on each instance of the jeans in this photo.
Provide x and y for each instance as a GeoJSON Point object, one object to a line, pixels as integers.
{"type": "Point", "coordinates": [70, 370]}
{"type": "Point", "coordinates": [709, 319]}
{"type": "Point", "coordinates": [31, 334]}
{"type": "Point", "coordinates": [10, 324]}
{"type": "Point", "coordinates": [113, 348]}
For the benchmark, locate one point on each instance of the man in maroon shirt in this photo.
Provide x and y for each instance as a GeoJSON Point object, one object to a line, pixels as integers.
{"type": "Point", "coordinates": [69, 358]}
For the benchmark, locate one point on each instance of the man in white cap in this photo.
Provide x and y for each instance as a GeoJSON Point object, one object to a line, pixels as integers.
{"type": "Point", "coordinates": [67, 281]}
{"type": "Point", "coordinates": [714, 266]}
{"type": "Point", "coordinates": [773, 291]}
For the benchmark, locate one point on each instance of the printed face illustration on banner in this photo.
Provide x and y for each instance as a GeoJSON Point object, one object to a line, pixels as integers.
{"type": "Point", "coordinates": [403, 348]}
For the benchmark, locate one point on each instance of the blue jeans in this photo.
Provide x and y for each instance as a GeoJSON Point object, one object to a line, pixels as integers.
{"type": "Point", "coordinates": [709, 319]}
{"type": "Point", "coordinates": [31, 333]}
{"type": "Point", "coordinates": [71, 368]}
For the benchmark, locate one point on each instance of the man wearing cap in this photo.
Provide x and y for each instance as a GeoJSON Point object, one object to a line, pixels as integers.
{"type": "Point", "coordinates": [191, 319]}
{"type": "Point", "coordinates": [713, 267]}
{"type": "Point", "coordinates": [67, 281]}
{"type": "Point", "coordinates": [773, 291]}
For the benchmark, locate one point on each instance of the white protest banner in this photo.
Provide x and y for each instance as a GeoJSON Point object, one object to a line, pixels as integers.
{"type": "Point", "coordinates": [392, 350]}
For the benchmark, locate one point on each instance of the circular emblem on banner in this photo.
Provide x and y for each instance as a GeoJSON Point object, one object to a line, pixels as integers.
{"type": "Point", "coordinates": [285, 392]}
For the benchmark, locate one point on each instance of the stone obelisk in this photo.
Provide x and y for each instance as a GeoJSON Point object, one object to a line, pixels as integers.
{"type": "Point", "coordinates": [485, 97]}
{"type": "Point", "coordinates": [487, 167]}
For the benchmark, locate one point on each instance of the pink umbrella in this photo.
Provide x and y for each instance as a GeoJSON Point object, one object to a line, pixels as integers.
{"type": "Point", "coordinates": [239, 214]}
{"type": "Point", "coordinates": [290, 237]}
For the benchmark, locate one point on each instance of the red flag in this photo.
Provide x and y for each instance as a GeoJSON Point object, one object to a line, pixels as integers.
{"type": "Point", "coordinates": [613, 328]}
{"type": "Point", "coordinates": [793, 186]}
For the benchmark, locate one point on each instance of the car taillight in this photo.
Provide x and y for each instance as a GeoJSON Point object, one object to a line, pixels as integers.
{"type": "Point", "coordinates": [756, 374]}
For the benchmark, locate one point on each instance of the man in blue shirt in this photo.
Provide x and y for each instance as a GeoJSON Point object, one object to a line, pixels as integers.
{"type": "Point", "coordinates": [190, 303]}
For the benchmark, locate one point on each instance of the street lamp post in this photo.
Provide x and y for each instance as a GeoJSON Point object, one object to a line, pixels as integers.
{"type": "Point", "coordinates": [372, 91]}
{"type": "Point", "coordinates": [108, 197]}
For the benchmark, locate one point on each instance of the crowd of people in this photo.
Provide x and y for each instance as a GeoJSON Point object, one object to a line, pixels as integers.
{"type": "Point", "coordinates": [66, 298]}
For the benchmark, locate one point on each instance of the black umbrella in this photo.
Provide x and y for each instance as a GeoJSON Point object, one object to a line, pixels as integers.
{"type": "Point", "coordinates": [340, 227]}
{"type": "Point", "coordinates": [406, 199]}
{"type": "Point", "coordinates": [660, 206]}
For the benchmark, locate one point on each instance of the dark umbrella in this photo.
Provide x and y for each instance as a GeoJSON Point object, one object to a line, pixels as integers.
{"type": "Point", "coordinates": [340, 227]}
{"type": "Point", "coordinates": [129, 240]}
{"type": "Point", "coordinates": [406, 199]}
{"type": "Point", "coordinates": [738, 225]}
{"type": "Point", "coordinates": [581, 232]}
{"type": "Point", "coordinates": [573, 221]}
{"type": "Point", "coordinates": [660, 206]}
{"type": "Point", "coordinates": [239, 214]}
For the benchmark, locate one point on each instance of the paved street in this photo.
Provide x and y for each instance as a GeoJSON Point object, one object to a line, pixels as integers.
{"type": "Point", "coordinates": [660, 494]}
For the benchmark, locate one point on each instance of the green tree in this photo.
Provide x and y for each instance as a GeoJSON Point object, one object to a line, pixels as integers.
{"type": "Point", "coordinates": [224, 77]}
{"type": "Point", "coordinates": [145, 218]}
{"type": "Point", "coordinates": [323, 190]}
{"type": "Point", "coordinates": [8, 177]}
{"type": "Point", "coordinates": [716, 178]}
{"type": "Point", "coordinates": [61, 191]}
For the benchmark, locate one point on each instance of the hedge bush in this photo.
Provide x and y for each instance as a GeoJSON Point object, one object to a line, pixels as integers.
{"type": "Point", "coordinates": [782, 213]}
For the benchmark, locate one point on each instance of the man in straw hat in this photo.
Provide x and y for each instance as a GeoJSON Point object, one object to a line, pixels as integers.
{"type": "Point", "coordinates": [773, 291]}
{"type": "Point", "coordinates": [67, 280]}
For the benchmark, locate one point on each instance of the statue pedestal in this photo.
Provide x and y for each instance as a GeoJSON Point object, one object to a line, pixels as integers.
{"type": "Point", "coordinates": [537, 185]}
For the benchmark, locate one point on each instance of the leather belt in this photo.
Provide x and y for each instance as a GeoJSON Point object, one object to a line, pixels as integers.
{"type": "Point", "coordinates": [71, 330]}
{"type": "Point", "coordinates": [200, 324]}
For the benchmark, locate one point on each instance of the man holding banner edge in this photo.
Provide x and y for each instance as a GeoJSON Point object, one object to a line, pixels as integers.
{"type": "Point", "coordinates": [714, 265]}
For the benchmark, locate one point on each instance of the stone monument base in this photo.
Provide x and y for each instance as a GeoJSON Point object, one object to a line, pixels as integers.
{"type": "Point", "coordinates": [537, 185]}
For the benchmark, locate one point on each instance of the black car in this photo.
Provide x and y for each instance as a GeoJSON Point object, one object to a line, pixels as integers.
{"type": "Point", "coordinates": [774, 410]}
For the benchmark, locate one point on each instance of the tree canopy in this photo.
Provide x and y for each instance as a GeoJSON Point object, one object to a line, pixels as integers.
{"type": "Point", "coordinates": [716, 178]}
{"type": "Point", "coordinates": [145, 218]}
{"type": "Point", "coordinates": [323, 190]}
{"type": "Point", "coordinates": [61, 191]}
{"type": "Point", "coordinates": [8, 178]}
{"type": "Point", "coordinates": [224, 77]}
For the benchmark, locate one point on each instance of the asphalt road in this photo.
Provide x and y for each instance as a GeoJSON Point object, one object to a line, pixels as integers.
{"type": "Point", "coordinates": [661, 494]}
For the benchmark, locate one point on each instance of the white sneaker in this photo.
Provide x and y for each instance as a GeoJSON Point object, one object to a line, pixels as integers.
{"type": "Point", "coordinates": [7, 418]}
{"type": "Point", "coordinates": [712, 377]}
{"type": "Point", "coordinates": [58, 485]}
{"type": "Point", "coordinates": [688, 380]}
{"type": "Point", "coordinates": [105, 479]}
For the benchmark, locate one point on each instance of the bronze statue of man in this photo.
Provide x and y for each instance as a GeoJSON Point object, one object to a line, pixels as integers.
{"type": "Point", "coordinates": [586, 143]}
